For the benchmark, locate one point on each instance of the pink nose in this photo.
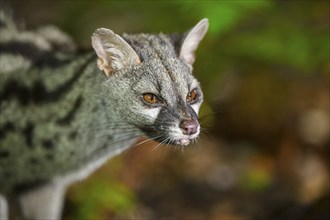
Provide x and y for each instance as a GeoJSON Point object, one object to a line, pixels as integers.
{"type": "Point", "coordinates": [188, 127]}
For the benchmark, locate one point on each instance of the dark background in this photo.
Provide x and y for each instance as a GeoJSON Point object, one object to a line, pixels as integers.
{"type": "Point", "coordinates": [264, 151]}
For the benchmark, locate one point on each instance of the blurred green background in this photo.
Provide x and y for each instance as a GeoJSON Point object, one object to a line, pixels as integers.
{"type": "Point", "coordinates": [264, 151]}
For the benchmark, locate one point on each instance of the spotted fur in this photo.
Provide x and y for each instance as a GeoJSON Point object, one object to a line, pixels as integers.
{"type": "Point", "coordinates": [63, 116]}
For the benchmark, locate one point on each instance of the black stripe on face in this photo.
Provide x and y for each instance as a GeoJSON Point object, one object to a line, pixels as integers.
{"type": "Point", "coordinates": [168, 117]}
{"type": "Point", "coordinates": [193, 115]}
{"type": "Point", "coordinates": [162, 56]}
{"type": "Point", "coordinates": [38, 93]}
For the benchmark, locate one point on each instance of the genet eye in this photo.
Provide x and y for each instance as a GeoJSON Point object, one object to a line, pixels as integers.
{"type": "Point", "coordinates": [192, 96]}
{"type": "Point", "coordinates": [151, 98]}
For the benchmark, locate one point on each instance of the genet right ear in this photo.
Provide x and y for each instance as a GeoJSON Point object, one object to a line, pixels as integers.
{"type": "Point", "coordinates": [193, 38]}
{"type": "Point", "coordinates": [114, 52]}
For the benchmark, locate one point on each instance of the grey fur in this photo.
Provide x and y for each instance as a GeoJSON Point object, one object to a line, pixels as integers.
{"type": "Point", "coordinates": [62, 118]}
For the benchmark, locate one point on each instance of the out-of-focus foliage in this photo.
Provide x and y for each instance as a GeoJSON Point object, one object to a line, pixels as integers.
{"type": "Point", "coordinates": [223, 15]}
{"type": "Point", "coordinates": [264, 68]}
{"type": "Point", "coordinates": [103, 192]}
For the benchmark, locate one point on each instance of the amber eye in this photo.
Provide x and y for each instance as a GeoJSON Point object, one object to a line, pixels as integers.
{"type": "Point", "coordinates": [192, 96]}
{"type": "Point", "coordinates": [151, 98]}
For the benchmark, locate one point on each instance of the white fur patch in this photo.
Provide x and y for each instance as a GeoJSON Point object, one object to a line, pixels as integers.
{"type": "Point", "coordinates": [196, 107]}
{"type": "Point", "coordinates": [152, 113]}
{"type": "Point", "coordinates": [49, 197]}
{"type": "Point", "coordinates": [3, 208]}
{"type": "Point", "coordinates": [194, 84]}
{"type": "Point", "coordinates": [177, 134]}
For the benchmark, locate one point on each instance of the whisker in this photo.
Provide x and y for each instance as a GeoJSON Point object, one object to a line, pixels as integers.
{"type": "Point", "coordinates": [114, 144]}
{"type": "Point", "coordinates": [160, 143]}
{"type": "Point", "coordinates": [123, 133]}
{"type": "Point", "coordinates": [149, 139]}
{"type": "Point", "coordinates": [107, 129]}
{"type": "Point", "coordinates": [122, 140]}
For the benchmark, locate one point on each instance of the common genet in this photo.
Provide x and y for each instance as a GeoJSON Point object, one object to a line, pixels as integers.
{"type": "Point", "coordinates": [64, 113]}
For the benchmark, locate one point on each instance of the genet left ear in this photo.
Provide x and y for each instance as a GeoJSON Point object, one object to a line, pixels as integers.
{"type": "Point", "coordinates": [113, 51]}
{"type": "Point", "coordinates": [193, 38]}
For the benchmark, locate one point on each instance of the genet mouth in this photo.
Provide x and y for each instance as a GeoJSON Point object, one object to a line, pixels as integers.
{"type": "Point", "coordinates": [183, 141]}
{"type": "Point", "coordinates": [167, 141]}
{"type": "Point", "coordinates": [171, 138]}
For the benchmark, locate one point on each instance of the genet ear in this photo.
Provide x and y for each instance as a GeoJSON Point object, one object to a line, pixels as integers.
{"type": "Point", "coordinates": [113, 51]}
{"type": "Point", "coordinates": [192, 39]}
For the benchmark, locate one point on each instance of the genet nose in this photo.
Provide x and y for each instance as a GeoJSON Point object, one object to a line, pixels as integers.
{"type": "Point", "coordinates": [188, 127]}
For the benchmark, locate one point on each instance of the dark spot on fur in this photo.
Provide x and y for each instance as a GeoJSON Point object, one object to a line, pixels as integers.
{"type": "Point", "coordinates": [27, 186]}
{"type": "Point", "coordinates": [24, 94]}
{"type": "Point", "coordinates": [71, 113]}
{"type": "Point", "coordinates": [4, 154]}
{"type": "Point", "coordinates": [6, 128]}
{"type": "Point", "coordinates": [14, 89]}
{"type": "Point", "coordinates": [37, 93]}
{"type": "Point", "coordinates": [48, 144]}
{"type": "Point", "coordinates": [36, 55]}
{"type": "Point", "coordinates": [33, 161]}
{"type": "Point", "coordinates": [50, 157]}
{"type": "Point", "coordinates": [73, 135]}
{"type": "Point", "coordinates": [28, 134]}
